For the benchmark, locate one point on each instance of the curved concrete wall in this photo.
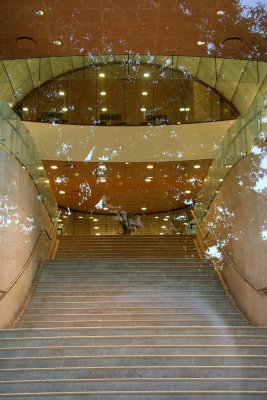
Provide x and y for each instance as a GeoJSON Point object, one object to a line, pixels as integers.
{"type": "Point", "coordinates": [237, 218]}
{"type": "Point", "coordinates": [22, 218]}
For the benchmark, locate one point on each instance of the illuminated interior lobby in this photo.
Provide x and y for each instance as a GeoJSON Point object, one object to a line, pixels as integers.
{"type": "Point", "coordinates": [152, 107]}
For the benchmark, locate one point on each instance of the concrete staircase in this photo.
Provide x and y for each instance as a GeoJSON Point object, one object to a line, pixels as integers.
{"type": "Point", "coordinates": [132, 328]}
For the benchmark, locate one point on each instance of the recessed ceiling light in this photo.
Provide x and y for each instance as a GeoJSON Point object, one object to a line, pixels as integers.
{"type": "Point", "coordinates": [65, 216]}
{"type": "Point", "coordinates": [146, 74]}
{"type": "Point", "coordinates": [220, 12]}
{"type": "Point", "coordinates": [161, 233]}
{"type": "Point", "coordinates": [53, 166]}
{"type": "Point", "coordinates": [64, 109]}
{"type": "Point", "coordinates": [102, 166]}
{"type": "Point", "coordinates": [103, 93]}
{"type": "Point", "coordinates": [200, 43]}
{"type": "Point", "coordinates": [104, 109]}
{"type": "Point", "coordinates": [156, 217]}
{"type": "Point", "coordinates": [25, 109]}
{"type": "Point", "coordinates": [163, 226]}
{"type": "Point", "coordinates": [39, 12]}
{"type": "Point", "coordinates": [40, 167]}
{"type": "Point", "coordinates": [96, 227]}
{"type": "Point", "coordinates": [220, 180]}
{"type": "Point", "coordinates": [57, 42]}
{"type": "Point", "coordinates": [80, 217]}
{"type": "Point", "coordinates": [167, 216]}
{"type": "Point", "coordinates": [95, 219]}
{"type": "Point", "coordinates": [165, 219]}
{"type": "Point", "coordinates": [59, 220]}
{"type": "Point", "coordinates": [91, 217]}
{"type": "Point", "coordinates": [97, 234]}
{"type": "Point", "coordinates": [144, 93]}
{"type": "Point", "coordinates": [143, 109]}
{"type": "Point", "coordinates": [148, 180]}
{"type": "Point", "coordinates": [188, 191]}
{"type": "Point", "coordinates": [102, 75]}
{"type": "Point", "coordinates": [105, 208]}
{"type": "Point", "coordinates": [47, 181]}
{"type": "Point", "coordinates": [143, 208]}
{"type": "Point", "coordinates": [196, 166]}
{"type": "Point", "coordinates": [61, 93]}
{"type": "Point", "coordinates": [61, 192]}
{"type": "Point", "coordinates": [150, 166]}
{"type": "Point", "coordinates": [192, 180]}
{"type": "Point", "coordinates": [165, 176]}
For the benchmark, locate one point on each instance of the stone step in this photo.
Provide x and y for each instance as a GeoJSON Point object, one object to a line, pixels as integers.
{"type": "Point", "coordinates": [49, 351]}
{"type": "Point", "coordinates": [169, 384]}
{"type": "Point", "coordinates": [83, 322]}
{"type": "Point", "coordinates": [133, 360]}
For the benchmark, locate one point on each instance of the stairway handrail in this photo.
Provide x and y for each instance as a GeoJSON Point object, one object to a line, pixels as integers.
{"type": "Point", "coordinates": [50, 237]}
{"type": "Point", "coordinates": [241, 273]}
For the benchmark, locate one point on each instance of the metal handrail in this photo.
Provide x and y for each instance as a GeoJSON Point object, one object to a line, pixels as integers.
{"type": "Point", "coordinates": [241, 273]}
{"type": "Point", "coordinates": [50, 236]}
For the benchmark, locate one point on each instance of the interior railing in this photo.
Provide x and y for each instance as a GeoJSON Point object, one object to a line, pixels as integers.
{"type": "Point", "coordinates": [16, 139]}
{"type": "Point", "coordinates": [249, 130]}
{"type": "Point", "coordinates": [50, 236]}
{"type": "Point", "coordinates": [238, 270]}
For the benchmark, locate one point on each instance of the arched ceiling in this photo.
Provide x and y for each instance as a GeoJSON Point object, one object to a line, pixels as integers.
{"type": "Point", "coordinates": [237, 80]}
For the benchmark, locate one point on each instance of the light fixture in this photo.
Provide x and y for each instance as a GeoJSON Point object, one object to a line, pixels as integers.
{"type": "Point", "coordinates": [61, 93]}
{"type": "Point", "coordinates": [61, 192]}
{"type": "Point", "coordinates": [196, 166]}
{"type": "Point", "coordinates": [165, 176]}
{"type": "Point", "coordinates": [184, 109]}
{"type": "Point", "coordinates": [39, 12]}
{"type": "Point", "coordinates": [165, 219]}
{"type": "Point", "coordinates": [59, 220]}
{"type": "Point", "coordinates": [150, 166]}
{"type": "Point", "coordinates": [57, 42]}
{"type": "Point", "coordinates": [220, 180]}
{"type": "Point", "coordinates": [80, 217]}
{"type": "Point", "coordinates": [146, 74]}
{"type": "Point", "coordinates": [25, 109]}
{"type": "Point", "coordinates": [192, 180]}
{"type": "Point", "coordinates": [97, 234]}
{"type": "Point", "coordinates": [105, 208]}
{"type": "Point", "coordinates": [65, 216]}
{"type": "Point", "coordinates": [40, 167]}
{"type": "Point", "coordinates": [163, 226]}
{"type": "Point", "coordinates": [143, 208]}
{"type": "Point", "coordinates": [96, 227]}
{"type": "Point", "coordinates": [220, 12]}
{"type": "Point", "coordinates": [156, 217]}
{"type": "Point", "coordinates": [53, 166]}
{"type": "Point", "coordinates": [148, 180]}
{"type": "Point", "coordinates": [188, 191]}
{"type": "Point", "coordinates": [200, 43]}
{"type": "Point", "coordinates": [103, 93]}
{"type": "Point", "coordinates": [104, 109]}
{"type": "Point", "coordinates": [144, 93]}
{"type": "Point", "coordinates": [64, 109]}
{"type": "Point", "coordinates": [91, 217]}
{"type": "Point", "coordinates": [46, 181]}
{"type": "Point", "coordinates": [95, 219]}
{"type": "Point", "coordinates": [102, 166]}
{"type": "Point", "coordinates": [143, 109]}
{"type": "Point", "coordinates": [161, 233]}
{"type": "Point", "coordinates": [102, 75]}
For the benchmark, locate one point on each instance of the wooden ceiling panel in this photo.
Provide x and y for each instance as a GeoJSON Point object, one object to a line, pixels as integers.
{"type": "Point", "coordinates": [93, 186]}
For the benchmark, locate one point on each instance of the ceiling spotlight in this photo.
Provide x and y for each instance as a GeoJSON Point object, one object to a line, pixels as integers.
{"type": "Point", "coordinates": [148, 180]}
{"type": "Point", "coordinates": [25, 109]}
{"type": "Point", "coordinates": [165, 219]}
{"type": "Point", "coordinates": [59, 220]}
{"type": "Point", "coordinates": [200, 43]}
{"type": "Point", "coordinates": [53, 166]}
{"type": "Point", "coordinates": [143, 208]}
{"type": "Point", "coordinates": [46, 181]}
{"type": "Point", "coordinates": [196, 166]}
{"type": "Point", "coordinates": [103, 93]}
{"type": "Point", "coordinates": [102, 75]}
{"type": "Point", "coordinates": [192, 180]}
{"type": "Point", "coordinates": [39, 12]}
{"type": "Point", "coordinates": [146, 74]}
{"type": "Point", "coordinates": [61, 192]}
{"type": "Point", "coordinates": [150, 166]}
{"type": "Point", "coordinates": [97, 234]}
{"type": "Point", "coordinates": [156, 217]}
{"type": "Point", "coordinates": [105, 208]}
{"type": "Point", "coordinates": [57, 42]}
{"type": "Point", "coordinates": [104, 109]}
{"type": "Point", "coordinates": [163, 226]}
{"type": "Point", "coordinates": [40, 167]}
{"type": "Point", "coordinates": [95, 219]}
{"type": "Point", "coordinates": [220, 12]}
{"type": "Point", "coordinates": [161, 233]}
{"type": "Point", "coordinates": [220, 180]}
{"type": "Point", "coordinates": [80, 217]}
{"type": "Point", "coordinates": [143, 109]}
{"type": "Point", "coordinates": [64, 109]}
{"type": "Point", "coordinates": [144, 93]}
{"type": "Point", "coordinates": [65, 216]}
{"type": "Point", "coordinates": [61, 93]}
{"type": "Point", "coordinates": [188, 191]}
{"type": "Point", "coordinates": [96, 227]}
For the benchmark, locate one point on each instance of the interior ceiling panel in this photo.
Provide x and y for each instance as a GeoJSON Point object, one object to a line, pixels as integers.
{"type": "Point", "coordinates": [133, 26]}
{"type": "Point", "coordinates": [130, 186]}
